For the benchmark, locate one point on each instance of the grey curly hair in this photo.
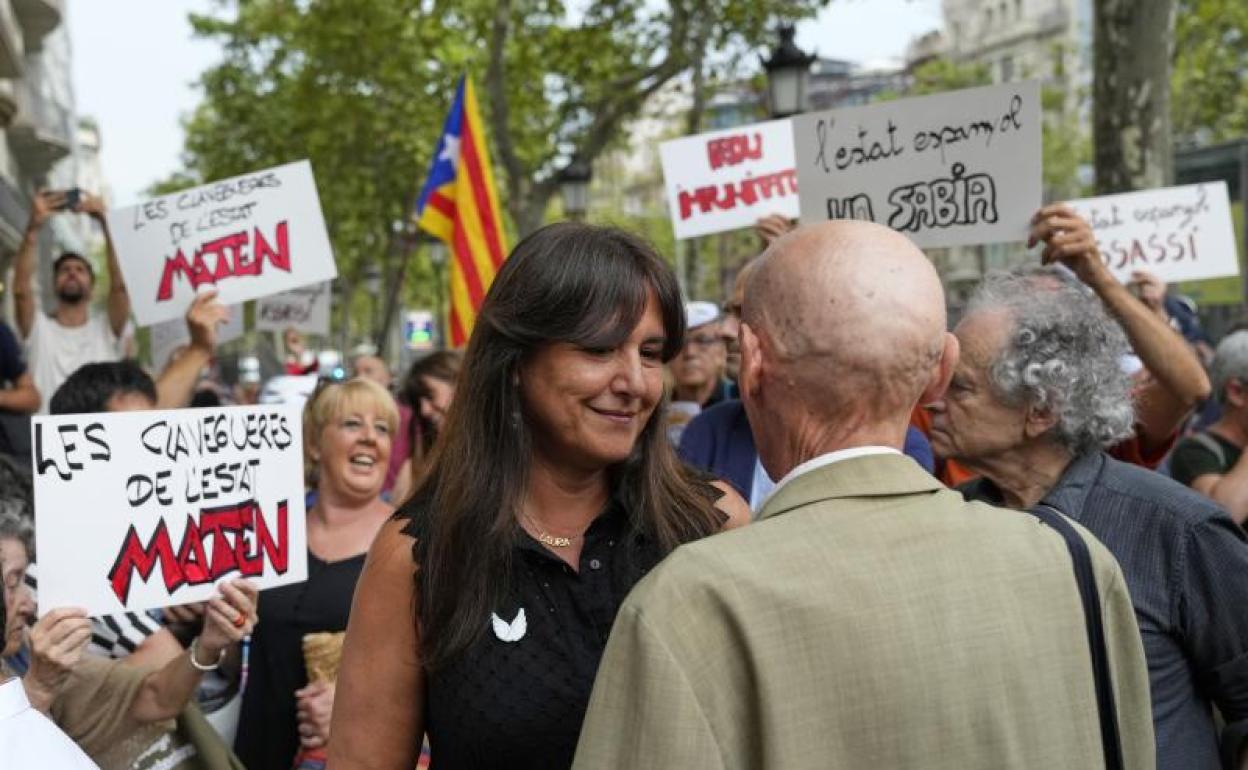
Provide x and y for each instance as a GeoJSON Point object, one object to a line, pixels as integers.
{"type": "Point", "coordinates": [1063, 354]}
{"type": "Point", "coordinates": [15, 526]}
{"type": "Point", "coordinates": [1230, 362]}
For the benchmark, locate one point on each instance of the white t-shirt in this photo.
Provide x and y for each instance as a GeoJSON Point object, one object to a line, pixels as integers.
{"type": "Point", "coordinates": [29, 739]}
{"type": "Point", "coordinates": [53, 351]}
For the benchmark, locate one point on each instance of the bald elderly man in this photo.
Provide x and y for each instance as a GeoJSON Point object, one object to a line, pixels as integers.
{"type": "Point", "coordinates": [871, 618]}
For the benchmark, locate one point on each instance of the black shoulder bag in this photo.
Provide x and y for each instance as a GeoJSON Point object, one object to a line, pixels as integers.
{"type": "Point", "coordinates": [1085, 576]}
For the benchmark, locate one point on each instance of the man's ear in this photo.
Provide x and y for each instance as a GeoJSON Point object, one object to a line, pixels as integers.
{"type": "Point", "coordinates": [749, 377]}
{"type": "Point", "coordinates": [942, 370]}
{"type": "Point", "coordinates": [1039, 421]}
{"type": "Point", "coordinates": [1234, 393]}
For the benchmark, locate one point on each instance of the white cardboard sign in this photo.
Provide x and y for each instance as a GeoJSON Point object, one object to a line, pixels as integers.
{"type": "Point", "coordinates": [248, 237]}
{"type": "Point", "coordinates": [947, 170]}
{"type": "Point", "coordinates": [168, 336]}
{"type": "Point", "coordinates": [305, 309]}
{"type": "Point", "coordinates": [1177, 233]}
{"type": "Point", "coordinates": [727, 180]}
{"type": "Point", "coordinates": [138, 510]}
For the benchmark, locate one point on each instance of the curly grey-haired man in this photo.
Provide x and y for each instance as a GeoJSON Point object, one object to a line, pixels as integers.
{"type": "Point", "coordinates": [1039, 391]}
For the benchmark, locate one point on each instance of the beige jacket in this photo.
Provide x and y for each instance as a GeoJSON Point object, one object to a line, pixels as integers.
{"type": "Point", "coordinates": [870, 619]}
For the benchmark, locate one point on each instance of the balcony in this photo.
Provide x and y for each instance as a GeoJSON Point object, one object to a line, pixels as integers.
{"type": "Point", "coordinates": [37, 18]}
{"type": "Point", "coordinates": [42, 131]}
{"type": "Point", "coordinates": [12, 47]}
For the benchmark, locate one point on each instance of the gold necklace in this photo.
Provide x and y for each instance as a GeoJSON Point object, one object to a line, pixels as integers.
{"type": "Point", "coordinates": [545, 538]}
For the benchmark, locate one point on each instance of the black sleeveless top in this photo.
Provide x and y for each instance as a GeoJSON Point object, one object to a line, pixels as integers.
{"type": "Point", "coordinates": [268, 734]}
{"type": "Point", "coordinates": [516, 699]}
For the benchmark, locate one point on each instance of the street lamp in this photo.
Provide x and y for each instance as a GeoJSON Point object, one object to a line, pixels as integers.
{"type": "Point", "coordinates": [437, 258]}
{"type": "Point", "coordinates": [574, 187]}
{"type": "Point", "coordinates": [788, 75]}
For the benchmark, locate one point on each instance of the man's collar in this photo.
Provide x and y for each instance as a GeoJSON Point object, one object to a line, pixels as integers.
{"type": "Point", "coordinates": [828, 458]}
{"type": "Point", "coordinates": [1067, 495]}
{"type": "Point", "coordinates": [871, 475]}
{"type": "Point", "coordinates": [1071, 490]}
{"type": "Point", "coordinates": [13, 699]}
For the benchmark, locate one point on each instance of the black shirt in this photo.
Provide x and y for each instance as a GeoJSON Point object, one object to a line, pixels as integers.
{"type": "Point", "coordinates": [267, 729]}
{"type": "Point", "coordinates": [1186, 567]}
{"type": "Point", "coordinates": [1196, 456]}
{"type": "Point", "coordinates": [520, 703]}
{"type": "Point", "coordinates": [14, 428]}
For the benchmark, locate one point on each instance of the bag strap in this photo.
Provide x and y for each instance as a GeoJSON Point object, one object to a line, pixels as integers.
{"type": "Point", "coordinates": [1085, 576]}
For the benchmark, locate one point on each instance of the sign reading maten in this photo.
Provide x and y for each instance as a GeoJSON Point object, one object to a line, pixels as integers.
{"type": "Point", "coordinates": [727, 180]}
{"type": "Point", "coordinates": [1177, 233]}
{"type": "Point", "coordinates": [139, 510]}
{"type": "Point", "coordinates": [248, 236]}
{"type": "Point", "coordinates": [947, 170]}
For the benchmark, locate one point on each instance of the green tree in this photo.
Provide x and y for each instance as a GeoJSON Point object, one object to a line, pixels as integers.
{"type": "Point", "coordinates": [1209, 94]}
{"type": "Point", "coordinates": [327, 81]}
{"type": "Point", "coordinates": [360, 87]}
{"type": "Point", "coordinates": [1132, 48]}
{"type": "Point", "coordinates": [561, 92]}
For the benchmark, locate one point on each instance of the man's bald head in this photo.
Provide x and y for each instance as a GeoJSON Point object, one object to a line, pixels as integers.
{"type": "Point", "coordinates": [850, 317]}
{"type": "Point", "coordinates": [372, 368]}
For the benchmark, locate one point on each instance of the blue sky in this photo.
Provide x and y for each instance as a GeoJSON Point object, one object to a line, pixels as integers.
{"type": "Point", "coordinates": [135, 62]}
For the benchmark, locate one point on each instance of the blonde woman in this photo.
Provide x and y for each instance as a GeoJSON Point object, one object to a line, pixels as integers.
{"type": "Point", "coordinates": [347, 433]}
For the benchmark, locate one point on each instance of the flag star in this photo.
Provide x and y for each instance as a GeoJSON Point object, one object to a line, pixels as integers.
{"type": "Point", "coordinates": [450, 150]}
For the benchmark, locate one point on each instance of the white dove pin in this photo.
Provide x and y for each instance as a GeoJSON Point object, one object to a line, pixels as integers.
{"type": "Point", "coordinates": [510, 632]}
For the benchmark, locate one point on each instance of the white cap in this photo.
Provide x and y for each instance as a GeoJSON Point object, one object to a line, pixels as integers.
{"type": "Point", "coordinates": [1130, 364]}
{"type": "Point", "coordinates": [700, 314]}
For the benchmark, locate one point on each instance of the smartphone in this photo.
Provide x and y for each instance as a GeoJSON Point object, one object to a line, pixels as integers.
{"type": "Point", "coordinates": [73, 197]}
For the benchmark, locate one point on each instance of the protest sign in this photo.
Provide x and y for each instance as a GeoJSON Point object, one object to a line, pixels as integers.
{"type": "Point", "coordinates": [305, 309]}
{"type": "Point", "coordinates": [168, 336]}
{"type": "Point", "coordinates": [947, 170]}
{"type": "Point", "coordinates": [248, 237]}
{"type": "Point", "coordinates": [1177, 233]}
{"type": "Point", "coordinates": [726, 180]}
{"type": "Point", "coordinates": [138, 510]}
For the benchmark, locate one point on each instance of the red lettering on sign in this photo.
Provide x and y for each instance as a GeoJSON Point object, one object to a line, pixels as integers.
{"type": "Point", "coordinates": [226, 528]}
{"type": "Point", "coordinates": [734, 150]}
{"type": "Point", "coordinates": [748, 191]}
{"type": "Point", "coordinates": [232, 259]}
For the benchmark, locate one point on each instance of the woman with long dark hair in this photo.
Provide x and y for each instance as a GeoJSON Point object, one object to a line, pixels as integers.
{"type": "Point", "coordinates": [428, 391]}
{"type": "Point", "coordinates": [485, 605]}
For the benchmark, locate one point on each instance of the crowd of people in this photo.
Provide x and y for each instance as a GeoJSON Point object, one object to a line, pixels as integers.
{"type": "Point", "coordinates": [815, 526]}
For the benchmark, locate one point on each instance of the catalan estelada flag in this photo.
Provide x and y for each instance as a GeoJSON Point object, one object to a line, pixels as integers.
{"type": "Point", "coordinates": [459, 205]}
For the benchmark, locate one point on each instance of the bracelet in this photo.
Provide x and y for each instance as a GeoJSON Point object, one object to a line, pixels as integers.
{"type": "Point", "coordinates": [200, 666]}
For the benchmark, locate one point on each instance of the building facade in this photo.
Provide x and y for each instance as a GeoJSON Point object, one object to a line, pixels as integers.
{"type": "Point", "coordinates": [39, 131]}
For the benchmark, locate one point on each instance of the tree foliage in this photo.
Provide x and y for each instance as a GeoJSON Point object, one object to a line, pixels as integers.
{"type": "Point", "coordinates": [361, 87]}
{"type": "Point", "coordinates": [1209, 98]}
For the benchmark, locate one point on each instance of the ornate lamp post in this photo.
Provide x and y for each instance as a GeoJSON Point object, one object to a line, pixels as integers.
{"type": "Point", "coordinates": [574, 181]}
{"type": "Point", "coordinates": [788, 76]}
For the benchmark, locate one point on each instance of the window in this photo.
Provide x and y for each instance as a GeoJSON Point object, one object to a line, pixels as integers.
{"type": "Point", "coordinates": [1007, 69]}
